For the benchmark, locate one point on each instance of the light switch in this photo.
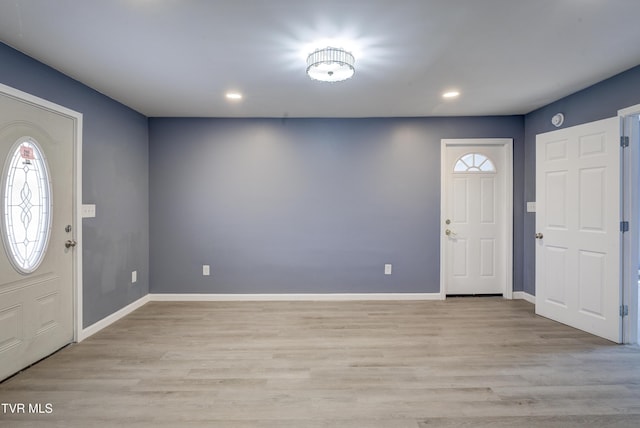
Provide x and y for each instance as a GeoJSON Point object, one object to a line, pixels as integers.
{"type": "Point", "coordinates": [134, 276]}
{"type": "Point", "coordinates": [88, 210]}
{"type": "Point", "coordinates": [531, 207]}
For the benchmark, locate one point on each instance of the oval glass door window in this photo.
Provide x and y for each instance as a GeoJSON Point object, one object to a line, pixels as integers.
{"type": "Point", "coordinates": [26, 205]}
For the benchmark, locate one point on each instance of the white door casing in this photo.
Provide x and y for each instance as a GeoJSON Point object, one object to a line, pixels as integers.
{"type": "Point", "coordinates": [39, 310]}
{"type": "Point", "coordinates": [578, 227]}
{"type": "Point", "coordinates": [476, 217]}
{"type": "Point", "coordinates": [630, 119]}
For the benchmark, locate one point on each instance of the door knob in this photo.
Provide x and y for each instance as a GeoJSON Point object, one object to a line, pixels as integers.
{"type": "Point", "coordinates": [539, 235]}
{"type": "Point", "coordinates": [450, 233]}
{"type": "Point", "coordinates": [70, 243]}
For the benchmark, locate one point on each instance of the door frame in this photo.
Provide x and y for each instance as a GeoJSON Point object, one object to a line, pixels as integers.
{"type": "Point", "coordinates": [630, 189]}
{"type": "Point", "coordinates": [76, 191]}
{"type": "Point", "coordinates": [507, 145]}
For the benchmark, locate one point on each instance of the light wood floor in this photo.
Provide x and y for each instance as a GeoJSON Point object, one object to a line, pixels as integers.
{"type": "Point", "coordinates": [476, 362]}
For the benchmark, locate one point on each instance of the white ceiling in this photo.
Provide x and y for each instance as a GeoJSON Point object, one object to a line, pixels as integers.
{"type": "Point", "coordinates": [179, 57]}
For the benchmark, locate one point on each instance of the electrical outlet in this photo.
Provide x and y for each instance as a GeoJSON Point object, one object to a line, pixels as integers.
{"type": "Point", "coordinates": [387, 269]}
{"type": "Point", "coordinates": [134, 276]}
{"type": "Point", "coordinates": [206, 270]}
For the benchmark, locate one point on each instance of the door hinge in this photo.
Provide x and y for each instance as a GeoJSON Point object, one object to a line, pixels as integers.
{"type": "Point", "coordinates": [624, 310]}
{"type": "Point", "coordinates": [624, 226]}
{"type": "Point", "coordinates": [624, 141]}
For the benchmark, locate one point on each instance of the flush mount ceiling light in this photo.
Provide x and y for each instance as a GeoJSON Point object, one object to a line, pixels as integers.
{"type": "Point", "coordinates": [451, 94]}
{"type": "Point", "coordinates": [330, 64]}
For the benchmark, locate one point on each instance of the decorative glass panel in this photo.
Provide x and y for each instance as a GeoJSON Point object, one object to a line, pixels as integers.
{"type": "Point", "coordinates": [26, 205]}
{"type": "Point", "coordinates": [474, 162]}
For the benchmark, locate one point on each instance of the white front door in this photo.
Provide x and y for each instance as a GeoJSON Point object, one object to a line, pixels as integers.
{"type": "Point", "coordinates": [578, 227]}
{"type": "Point", "coordinates": [476, 217]}
{"type": "Point", "coordinates": [36, 205]}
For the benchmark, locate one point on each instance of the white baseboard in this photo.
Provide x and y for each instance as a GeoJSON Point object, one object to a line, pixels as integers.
{"type": "Point", "coordinates": [107, 321]}
{"type": "Point", "coordinates": [524, 296]}
{"type": "Point", "coordinates": [171, 297]}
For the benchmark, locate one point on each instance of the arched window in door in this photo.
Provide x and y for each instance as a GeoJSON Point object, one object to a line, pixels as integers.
{"type": "Point", "coordinates": [474, 162]}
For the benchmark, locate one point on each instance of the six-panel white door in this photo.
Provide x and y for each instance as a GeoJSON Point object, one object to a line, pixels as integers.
{"type": "Point", "coordinates": [578, 227]}
{"type": "Point", "coordinates": [36, 293]}
{"type": "Point", "coordinates": [475, 259]}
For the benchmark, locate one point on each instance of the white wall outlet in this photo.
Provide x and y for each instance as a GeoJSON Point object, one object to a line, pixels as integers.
{"type": "Point", "coordinates": [387, 269]}
{"type": "Point", "coordinates": [88, 210]}
{"type": "Point", "coordinates": [134, 276]}
{"type": "Point", "coordinates": [206, 270]}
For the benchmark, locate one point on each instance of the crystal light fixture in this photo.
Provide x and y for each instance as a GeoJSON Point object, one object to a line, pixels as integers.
{"type": "Point", "coordinates": [330, 64]}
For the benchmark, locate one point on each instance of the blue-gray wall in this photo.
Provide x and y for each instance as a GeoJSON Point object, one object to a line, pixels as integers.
{"type": "Point", "coordinates": [306, 205]}
{"type": "Point", "coordinates": [115, 178]}
{"type": "Point", "coordinates": [599, 101]}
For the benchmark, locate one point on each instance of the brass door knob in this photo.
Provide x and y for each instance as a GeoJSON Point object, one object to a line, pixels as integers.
{"type": "Point", "coordinates": [70, 243]}
{"type": "Point", "coordinates": [539, 235]}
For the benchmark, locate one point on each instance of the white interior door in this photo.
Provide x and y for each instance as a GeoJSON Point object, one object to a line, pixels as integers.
{"type": "Point", "coordinates": [476, 217]}
{"type": "Point", "coordinates": [36, 206]}
{"type": "Point", "coordinates": [578, 227]}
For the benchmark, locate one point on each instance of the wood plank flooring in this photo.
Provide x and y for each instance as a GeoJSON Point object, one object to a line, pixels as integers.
{"type": "Point", "coordinates": [475, 362]}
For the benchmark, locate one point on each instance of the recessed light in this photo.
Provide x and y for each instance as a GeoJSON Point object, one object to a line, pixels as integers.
{"type": "Point", "coordinates": [234, 96]}
{"type": "Point", "coordinates": [450, 94]}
